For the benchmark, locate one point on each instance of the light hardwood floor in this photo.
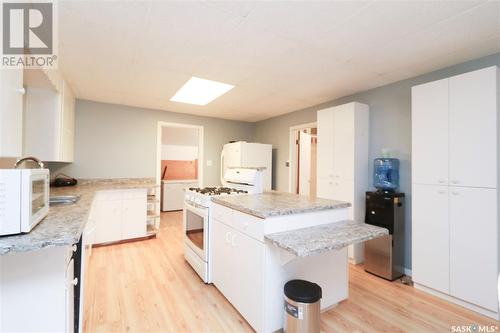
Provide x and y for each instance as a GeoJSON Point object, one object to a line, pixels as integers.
{"type": "Point", "coordinates": [146, 286]}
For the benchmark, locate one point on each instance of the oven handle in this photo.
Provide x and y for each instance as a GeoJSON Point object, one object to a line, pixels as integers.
{"type": "Point", "coordinates": [196, 208]}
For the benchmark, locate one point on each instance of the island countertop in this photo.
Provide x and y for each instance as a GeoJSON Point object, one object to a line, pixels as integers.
{"type": "Point", "coordinates": [326, 237]}
{"type": "Point", "coordinates": [272, 204]}
{"type": "Point", "coordinates": [65, 223]}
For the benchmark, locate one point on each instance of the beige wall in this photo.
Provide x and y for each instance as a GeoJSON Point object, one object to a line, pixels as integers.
{"type": "Point", "coordinates": [116, 141]}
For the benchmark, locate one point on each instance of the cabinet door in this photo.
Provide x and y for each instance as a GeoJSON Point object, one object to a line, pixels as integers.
{"type": "Point", "coordinates": [70, 297]}
{"type": "Point", "coordinates": [343, 143]}
{"type": "Point", "coordinates": [221, 257]}
{"type": "Point", "coordinates": [430, 237]}
{"type": "Point", "coordinates": [325, 188]}
{"type": "Point", "coordinates": [108, 221]}
{"type": "Point", "coordinates": [429, 113]}
{"type": "Point", "coordinates": [68, 124]}
{"type": "Point", "coordinates": [325, 144]}
{"type": "Point", "coordinates": [11, 112]}
{"type": "Point", "coordinates": [134, 218]}
{"type": "Point", "coordinates": [248, 259]}
{"type": "Point", "coordinates": [473, 129]}
{"type": "Point", "coordinates": [473, 246]}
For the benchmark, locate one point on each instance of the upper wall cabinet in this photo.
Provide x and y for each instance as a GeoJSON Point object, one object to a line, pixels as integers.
{"type": "Point", "coordinates": [50, 121]}
{"type": "Point", "coordinates": [11, 112]}
{"type": "Point", "coordinates": [473, 129]}
{"type": "Point", "coordinates": [454, 130]}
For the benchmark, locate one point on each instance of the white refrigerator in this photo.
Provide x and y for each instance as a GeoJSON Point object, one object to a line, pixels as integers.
{"type": "Point", "coordinates": [248, 154]}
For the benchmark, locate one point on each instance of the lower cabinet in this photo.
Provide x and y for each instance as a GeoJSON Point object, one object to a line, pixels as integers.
{"type": "Point", "coordinates": [37, 291]}
{"type": "Point", "coordinates": [455, 237]}
{"type": "Point", "coordinates": [431, 237]}
{"type": "Point", "coordinates": [232, 252]}
{"type": "Point", "coordinates": [120, 215]}
{"type": "Point", "coordinates": [474, 246]}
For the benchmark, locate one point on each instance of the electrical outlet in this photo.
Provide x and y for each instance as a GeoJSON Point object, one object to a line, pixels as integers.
{"type": "Point", "coordinates": [209, 163]}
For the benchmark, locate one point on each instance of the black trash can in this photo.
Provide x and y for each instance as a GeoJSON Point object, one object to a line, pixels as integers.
{"type": "Point", "coordinates": [302, 306]}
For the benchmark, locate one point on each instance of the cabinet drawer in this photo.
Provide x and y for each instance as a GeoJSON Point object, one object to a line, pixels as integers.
{"type": "Point", "coordinates": [109, 195]}
{"type": "Point", "coordinates": [222, 213]}
{"type": "Point", "coordinates": [248, 225]}
{"type": "Point", "coordinates": [134, 194]}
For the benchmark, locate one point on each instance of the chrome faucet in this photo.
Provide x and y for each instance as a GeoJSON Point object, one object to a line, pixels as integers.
{"type": "Point", "coordinates": [28, 158]}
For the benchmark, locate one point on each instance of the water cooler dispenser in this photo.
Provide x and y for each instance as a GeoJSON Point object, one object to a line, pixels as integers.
{"type": "Point", "coordinates": [384, 256]}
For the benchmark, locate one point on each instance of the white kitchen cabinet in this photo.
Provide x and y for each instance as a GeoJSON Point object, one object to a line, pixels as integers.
{"type": "Point", "coordinates": [473, 246]}
{"type": "Point", "coordinates": [50, 123]}
{"type": "Point", "coordinates": [236, 252]}
{"type": "Point", "coordinates": [455, 235]}
{"type": "Point", "coordinates": [325, 148]}
{"type": "Point", "coordinates": [431, 236]}
{"type": "Point", "coordinates": [473, 128]}
{"type": "Point", "coordinates": [11, 112]}
{"type": "Point", "coordinates": [342, 166]}
{"type": "Point", "coordinates": [36, 291]}
{"type": "Point", "coordinates": [430, 133]}
{"type": "Point", "coordinates": [134, 210]}
{"type": "Point", "coordinates": [120, 215]}
{"type": "Point", "coordinates": [109, 218]}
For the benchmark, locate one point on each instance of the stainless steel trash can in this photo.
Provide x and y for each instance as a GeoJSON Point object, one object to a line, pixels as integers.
{"type": "Point", "coordinates": [302, 306]}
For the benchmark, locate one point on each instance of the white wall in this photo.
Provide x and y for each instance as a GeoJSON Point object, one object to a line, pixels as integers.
{"type": "Point", "coordinates": [179, 153]}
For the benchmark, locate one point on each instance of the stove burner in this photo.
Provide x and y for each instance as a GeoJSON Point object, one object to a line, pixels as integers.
{"type": "Point", "coordinates": [217, 190]}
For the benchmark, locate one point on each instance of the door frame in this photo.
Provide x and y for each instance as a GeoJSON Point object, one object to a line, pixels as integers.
{"type": "Point", "coordinates": [160, 126]}
{"type": "Point", "coordinates": [292, 166]}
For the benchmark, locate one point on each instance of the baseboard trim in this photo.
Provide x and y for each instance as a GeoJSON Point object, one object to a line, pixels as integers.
{"type": "Point", "coordinates": [451, 299]}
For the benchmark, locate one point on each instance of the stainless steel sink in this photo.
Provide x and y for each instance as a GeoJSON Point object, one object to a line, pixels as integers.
{"type": "Point", "coordinates": [64, 200]}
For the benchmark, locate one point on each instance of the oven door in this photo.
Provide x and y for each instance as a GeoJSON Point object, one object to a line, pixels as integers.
{"type": "Point", "coordinates": [35, 198]}
{"type": "Point", "coordinates": [196, 229]}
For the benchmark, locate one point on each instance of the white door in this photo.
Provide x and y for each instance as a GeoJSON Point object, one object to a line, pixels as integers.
{"type": "Point", "coordinates": [473, 246]}
{"type": "Point", "coordinates": [473, 128]}
{"type": "Point", "coordinates": [325, 145]}
{"type": "Point", "coordinates": [304, 164]}
{"type": "Point", "coordinates": [70, 297]}
{"type": "Point", "coordinates": [248, 259]}
{"type": "Point", "coordinates": [429, 113]}
{"type": "Point", "coordinates": [222, 259]}
{"type": "Point", "coordinates": [11, 112]}
{"type": "Point", "coordinates": [108, 221]}
{"type": "Point", "coordinates": [430, 237]}
{"type": "Point", "coordinates": [343, 143]}
{"type": "Point", "coordinates": [134, 218]}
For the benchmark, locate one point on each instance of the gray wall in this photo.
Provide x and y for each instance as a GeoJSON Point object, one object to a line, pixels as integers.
{"type": "Point", "coordinates": [116, 141]}
{"type": "Point", "coordinates": [390, 127]}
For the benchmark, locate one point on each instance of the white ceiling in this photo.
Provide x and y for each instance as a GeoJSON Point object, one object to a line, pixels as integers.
{"type": "Point", "coordinates": [282, 56]}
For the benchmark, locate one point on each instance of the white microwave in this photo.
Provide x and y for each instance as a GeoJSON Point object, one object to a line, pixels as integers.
{"type": "Point", "coordinates": [24, 199]}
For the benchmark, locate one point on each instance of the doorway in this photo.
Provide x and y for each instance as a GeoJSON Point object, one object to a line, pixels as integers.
{"type": "Point", "coordinates": [303, 159]}
{"type": "Point", "coordinates": [179, 162]}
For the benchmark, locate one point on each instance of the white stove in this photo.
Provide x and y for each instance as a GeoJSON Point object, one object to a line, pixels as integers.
{"type": "Point", "coordinates": [197, 216]}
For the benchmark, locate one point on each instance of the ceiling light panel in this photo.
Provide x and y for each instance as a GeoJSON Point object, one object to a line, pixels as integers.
{"type": "Point", "coordinates": [200, 91]}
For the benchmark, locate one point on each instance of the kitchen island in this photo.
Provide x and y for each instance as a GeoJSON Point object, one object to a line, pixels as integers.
{"type": "Point", "coordinates": [42, 272]}
{"type": "Point", "coordinates": [261, 241]}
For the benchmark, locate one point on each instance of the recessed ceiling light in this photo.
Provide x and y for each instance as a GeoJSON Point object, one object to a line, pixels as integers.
{"type": "Point", "coordinates": [200, 91]}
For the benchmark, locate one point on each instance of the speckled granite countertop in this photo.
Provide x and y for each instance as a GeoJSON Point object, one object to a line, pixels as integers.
{"type": "Point", "coordinates": [271, 204]}
{"type": "Point", "coordinates": [64, 224]}
{"type": "Point", "coordinates": [322, 238]}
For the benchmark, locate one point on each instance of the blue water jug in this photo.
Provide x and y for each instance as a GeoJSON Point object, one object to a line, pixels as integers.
{"type": "Point", "coordinates": [386, 173]}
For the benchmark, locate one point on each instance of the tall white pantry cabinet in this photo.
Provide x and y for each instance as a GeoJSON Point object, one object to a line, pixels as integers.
{"type": "Point", "coordinates": [455, 229]}
{"type": "Point", "coordinates": [343, 160]}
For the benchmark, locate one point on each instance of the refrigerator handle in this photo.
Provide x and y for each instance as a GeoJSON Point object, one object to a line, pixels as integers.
{"type": "Point", "coordinates": [222, 167]}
